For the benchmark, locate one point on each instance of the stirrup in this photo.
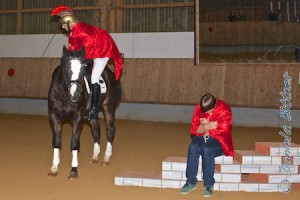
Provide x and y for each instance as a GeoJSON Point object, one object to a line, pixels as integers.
{"type": "Point", "coordinates": [86, 115]}
{"type": "Point", "coordinates": [93, 114]}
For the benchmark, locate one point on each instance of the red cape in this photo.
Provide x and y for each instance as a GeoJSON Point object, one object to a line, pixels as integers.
{"type": "Point", "coordinates": [223, 133]}
{"type": "Point", "coordinates": [97, 43]}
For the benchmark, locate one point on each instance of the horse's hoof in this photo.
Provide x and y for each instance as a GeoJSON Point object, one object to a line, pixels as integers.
{"type": "Point", "coordinates": [73, 175]}
{"type": "Point", "coordinates": [94, 161]}
{"type": "Point", "coordinates": [104, 163]}
{"type": "Point", "coordinates": [53, 173]}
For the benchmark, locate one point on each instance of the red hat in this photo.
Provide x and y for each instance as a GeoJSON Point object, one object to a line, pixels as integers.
{"type": "Point", "coordinates": [60, 10]}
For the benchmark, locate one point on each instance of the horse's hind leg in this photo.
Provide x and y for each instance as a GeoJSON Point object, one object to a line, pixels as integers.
{"type": "Point", "coordinates": [56, 143]}
{"type": "Point", "coordinates": [109, 115]}
{"type": "Point", "coordinates": [96, 135]}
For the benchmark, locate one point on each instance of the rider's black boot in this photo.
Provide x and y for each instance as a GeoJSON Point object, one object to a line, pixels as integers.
{"type": "Point", "coordinates": [95, 101]}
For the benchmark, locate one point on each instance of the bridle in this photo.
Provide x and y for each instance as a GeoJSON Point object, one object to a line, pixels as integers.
{"type": "Point", "coordinates": [78, 82]}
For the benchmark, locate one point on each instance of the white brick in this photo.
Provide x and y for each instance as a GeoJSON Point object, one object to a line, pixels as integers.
{"type": "Point", "coordinates": [296, 160]}
{"type": "Point", "coordinates": [218, 177]}
{"type": "Point", "coordinates": [172, 175]}
{"type": "Point", "coordinates": [249, 168]}
{"type": "Point", "coordinates": [229, 186]}
{"type": "Point", "coordinates": [166, 166]}
{"type": "Point", "coordinates": [248, 187]}
{"type": "Point", "coordinates": [119, 181]}
{"type": "Point", "coordinates": [230, 169]}
{"type": "Point", "coordinates": [247, 160]}
{"type": "Point", "coordinates": [223, 160]}
{"type": "Point", "coordinates": [294, 178]}
{"type": "Point", "coordinates": [217, 186]}
{"type": "Point", "coordinates": [274, 151]}
{"type": "Point", "coordinates": [276, 178]}
{"type": "Point", "coordinates": [133, 182]}
{"type": "Point", "coordinates": [171, 184]}
{"type": "Point", "coordinates": [269, 169]}
{"type": "Point", "coordinates": [290, 151]}
{"type": "Point", "coordinates": [178, 166]}
{"type": "Point", "coordinates": [157, 183]}
{"type": "Point", "coordinates": [234, 178]}
{"type": "Point", "coordinates": [276, 160]}
{"type": "Point", "coordinates": [228, 160]}
{"type": "Point", "coordinates": [262, 160]}
{"type": "Point", "coordinates": [268, 188]}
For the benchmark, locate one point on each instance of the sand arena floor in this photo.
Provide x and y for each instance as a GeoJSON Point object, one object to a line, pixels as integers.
{"type": "Point", "coordinates": [26, 156]}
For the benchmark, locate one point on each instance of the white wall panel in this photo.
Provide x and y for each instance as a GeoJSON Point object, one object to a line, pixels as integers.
{"type": "Point", "coordinates": [133, 45]}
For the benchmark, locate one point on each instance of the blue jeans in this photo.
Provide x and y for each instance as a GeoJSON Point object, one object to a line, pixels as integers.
{"type": "Point", "coordinates": [208, 151]}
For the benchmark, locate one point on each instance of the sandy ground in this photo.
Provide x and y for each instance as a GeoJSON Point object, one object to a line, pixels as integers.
{"type": "Point", "coordinates": [26, 156]}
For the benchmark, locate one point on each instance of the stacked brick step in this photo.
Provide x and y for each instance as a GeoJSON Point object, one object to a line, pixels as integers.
{"type": "Point", "coordinates": [271, 167]}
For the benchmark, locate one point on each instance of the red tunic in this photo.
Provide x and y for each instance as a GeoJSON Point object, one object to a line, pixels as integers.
{"type": "Point", "coordinates": [97, 43]}
{"type": "Point", "coordinates": [222, 114]}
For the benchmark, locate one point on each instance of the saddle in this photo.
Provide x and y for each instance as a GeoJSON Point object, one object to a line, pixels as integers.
{"type": "Point", "coordinates": [87, 78]}
{"type": "Point", "coordinates": [88, 83]}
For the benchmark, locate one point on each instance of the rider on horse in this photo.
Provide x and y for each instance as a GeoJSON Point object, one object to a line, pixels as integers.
{"type": "Point", "coordinates": [99, 47]}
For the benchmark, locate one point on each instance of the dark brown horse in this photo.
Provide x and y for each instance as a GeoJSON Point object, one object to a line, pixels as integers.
{"type": "Point", "coordinates": [68, 99]}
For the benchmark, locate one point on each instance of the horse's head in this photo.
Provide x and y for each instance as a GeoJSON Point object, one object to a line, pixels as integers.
{"type": "Point", "coordinates": [73, 64]}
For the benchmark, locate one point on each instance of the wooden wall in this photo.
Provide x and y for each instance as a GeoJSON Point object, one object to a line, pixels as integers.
{"type": "Point", "coordinates": [249, 33]}
{"type": "Point", "coordinates": [167, 81]}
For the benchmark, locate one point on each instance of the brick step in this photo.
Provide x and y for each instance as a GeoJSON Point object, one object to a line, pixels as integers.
{"type": "Point", "coordinates": [237, 167]}
{"type": "Point", "coordinates": [178, 164]}
{"type": "Point", "coordinates": [276, 178]}
{"type": "Point", "coordinates": [262, 170]}
{"type": "Point", "coordinates": [146, 179]}
{"type": "Point", "coordinates": [277, 149]}
{"type": "Point", "coordinates": [219, 177]}
{"type": "Point", "coordinates": [252, 157]}
{"type": "Point", "coordinates": [174, 163]}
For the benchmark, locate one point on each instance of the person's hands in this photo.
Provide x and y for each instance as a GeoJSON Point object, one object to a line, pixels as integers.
{"type": "Point", "coordinates": [204, 121]}
{"type": "Point", "coordinates": [211, 125]}
{"type": "Point", "coordinates": [206, 126]}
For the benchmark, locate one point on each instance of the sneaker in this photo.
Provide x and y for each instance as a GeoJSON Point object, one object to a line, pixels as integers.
{"type": "Point", "coordinates": [187, 188]}
{"type": "Point", "coordinates": [208, 191]}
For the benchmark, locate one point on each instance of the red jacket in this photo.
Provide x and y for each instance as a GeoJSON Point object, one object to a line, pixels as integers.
{"type": "Point", "coordinates": [222, 114]}
{"type": "Point", "coordinates": [97, 43]}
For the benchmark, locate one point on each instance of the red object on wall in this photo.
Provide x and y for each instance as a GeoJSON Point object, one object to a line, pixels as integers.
{"type": "Point", "coordinates": [11, 72]}
{"type": "Point", "coordinates": [210, 29]}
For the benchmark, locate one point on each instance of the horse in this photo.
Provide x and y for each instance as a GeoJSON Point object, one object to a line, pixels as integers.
{"type": "Point", "coordinates": [68, 100]}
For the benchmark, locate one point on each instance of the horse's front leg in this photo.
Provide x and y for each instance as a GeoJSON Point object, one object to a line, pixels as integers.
{"type": "Point", "coordinates": [96, 136]}
{"type": "Point", "coordinates": [55, 124]}
{"type": "Point", "coordinates": [75, 147]}
{"type": "Point", "coordinates": [109, 115]}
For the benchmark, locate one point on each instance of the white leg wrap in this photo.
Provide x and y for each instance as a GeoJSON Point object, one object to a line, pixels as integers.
{"type": "Point", "coordinates": [108, 151]}
{"type": "Point", "coordinates": [56, 160]}
{"type": "Point", "coordinates": [96, 150]}
{"type": "Point", "coordinates": [74, 158]}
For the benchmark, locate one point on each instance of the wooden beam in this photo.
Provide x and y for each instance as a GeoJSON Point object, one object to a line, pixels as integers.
{"type": "Point", "coordinates": [197, 33]}
{"type": "Point", "coordinates": [35, 10]}
{"type": "Point", "coordinates": [161, 5]}
{"type": "Point", "coordinates": [19, 17]}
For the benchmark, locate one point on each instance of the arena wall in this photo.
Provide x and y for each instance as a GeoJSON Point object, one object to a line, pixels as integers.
{"type": "Point", "coordinates": [159, 72]}
{"type": "Point", "coordinates": [159, 68]}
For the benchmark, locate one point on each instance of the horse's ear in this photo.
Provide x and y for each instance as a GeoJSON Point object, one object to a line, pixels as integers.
{"type": "Point", "coordinates": [65, 50]}
{"type": "Point", "coordinates": [82, 51]}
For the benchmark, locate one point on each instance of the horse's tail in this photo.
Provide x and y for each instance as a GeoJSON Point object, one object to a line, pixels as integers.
{"type": "Point", "coordinates": [118, 92]}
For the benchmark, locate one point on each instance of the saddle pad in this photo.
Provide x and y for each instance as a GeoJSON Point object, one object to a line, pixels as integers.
{"type": "Point", "coordinates": [102, 85]}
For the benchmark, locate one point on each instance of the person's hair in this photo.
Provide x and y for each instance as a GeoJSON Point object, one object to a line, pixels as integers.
{"type": "Point", "coordinates": [207, 102]}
